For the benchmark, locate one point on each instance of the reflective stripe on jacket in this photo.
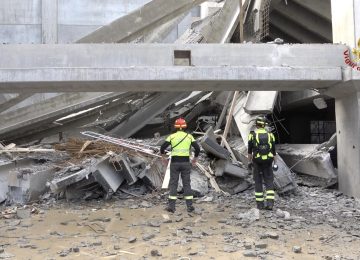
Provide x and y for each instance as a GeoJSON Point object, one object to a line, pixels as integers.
{"type": "Point", "coordinates": [254, 140]}
{"type": "Point", "coordinates": [180, 143]}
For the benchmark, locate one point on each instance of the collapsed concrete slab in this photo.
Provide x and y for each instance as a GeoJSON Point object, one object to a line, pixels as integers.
{"type": "Point", "coordinates": [306, 159]}
{"type": "Point", "coordinates": [139, 119]}
{"type": "Point", "coordinates": [60, 183]}
{"type": "Point", "coordinates": [226, 167]}
{"type": "Point", "coordinates": [260, 102]}
{"type": "Point", "coordinates": [23, 180]}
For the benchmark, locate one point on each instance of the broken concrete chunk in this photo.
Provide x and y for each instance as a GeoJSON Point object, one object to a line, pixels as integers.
{"type": "Point", "coordinates": [249, 216]}
{"type": "Point", "coordinates": [107, 176]}
{"type": "Point", "coordinates": [210, 146]}
{"type": "Point", "coordinates": [226, 167]}
{"type": "Point", "coordinates": [260, 102]}
{"type": "Point", "coordinates": [123, 168]}
{"type": "Point", "coordinates": [306, 159]}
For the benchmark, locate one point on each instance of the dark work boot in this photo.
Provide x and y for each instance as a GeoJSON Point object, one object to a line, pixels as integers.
{"type": "Point", "coordinates": [190, 207]}
{"type": "Point", "coordinates": [260, 205]}
{"type": "Point", "coordinates": [171, 206]}
{"type": "Point", "coordinates": [269, 204]}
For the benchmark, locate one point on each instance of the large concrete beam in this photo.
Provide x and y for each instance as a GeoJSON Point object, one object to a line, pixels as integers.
{"type": "Point", "coordinates": [26, 118]}
{"type": "Point", "coordinates": [319, 7]}
{"type": "Point", "coordinates": [305, 18]}
{"type": "Point", "coordinates": [140, 21]}
{"type": "Point", "coordinates": [223, 24]}
{"type": "Point", "coordinates": [151, 67]}
{"type": "Point", "coordinates": [12, 102]}
{"type": "Point", "coordinates": [295, 29]}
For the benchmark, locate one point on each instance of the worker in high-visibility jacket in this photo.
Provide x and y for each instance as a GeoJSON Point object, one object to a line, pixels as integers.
{"type": "Point", "coordinates": [261, 155]}
{"type": "Point", "coordinates": [181, 143]}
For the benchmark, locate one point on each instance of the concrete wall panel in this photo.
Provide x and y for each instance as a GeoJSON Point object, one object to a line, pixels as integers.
{"type": "Point", "coordinates": [20, 11]}
{"type": "Point", "coordinates": [20, 34]}
{"type": "Point", "coordinates": [49, 12]}
{"type": "Point", "coordinates": [95, 12]}
{"type": "Point", "coordinates": [72, 33]}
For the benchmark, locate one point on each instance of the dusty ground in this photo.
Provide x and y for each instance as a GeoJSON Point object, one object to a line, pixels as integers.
{"type": "Point", "coordinates": [104, 230]}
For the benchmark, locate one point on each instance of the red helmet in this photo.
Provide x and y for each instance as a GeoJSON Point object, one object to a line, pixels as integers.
{"type": "Point", "coordinates": [180, 123]}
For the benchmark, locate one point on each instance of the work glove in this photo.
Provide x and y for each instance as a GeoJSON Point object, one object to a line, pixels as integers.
{"type": "Point", "coordinates": [275, 167]}
{"type": "Point", "coordinates": [250, 166]}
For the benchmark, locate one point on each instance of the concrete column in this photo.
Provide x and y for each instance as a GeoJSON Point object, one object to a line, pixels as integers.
{"type": "Point", "coordinates": [346, 21]}
{"type": "Point", "coordinates": [348, 140]}
{"type": "Point", "coordinates": [346, 29]}
{"type": "Point", "coordinates": [49, 24]}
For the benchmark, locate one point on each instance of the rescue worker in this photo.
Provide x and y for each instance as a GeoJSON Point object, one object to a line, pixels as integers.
{"type": "Point", "coordinates": [261, 155]}
{"type": "Point", "coordinates": [180, 143]}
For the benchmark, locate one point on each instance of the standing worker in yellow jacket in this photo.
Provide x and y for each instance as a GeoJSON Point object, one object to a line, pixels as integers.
{"type": "Point", "coordinates": [181, 143]}
{"type": "Point", "coordinates": [261, 155]}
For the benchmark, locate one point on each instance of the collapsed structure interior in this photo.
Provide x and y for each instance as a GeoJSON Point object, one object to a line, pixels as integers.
{"type": "Point", "coordinates": [120, 72]}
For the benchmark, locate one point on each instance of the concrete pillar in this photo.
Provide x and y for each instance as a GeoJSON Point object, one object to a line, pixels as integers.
{"type": "Point", "coordinates": [346, 29]}
{"type": "Point", "coordinates": [348, 140]}
{"type": "Point", "coordinates": [49, 21]}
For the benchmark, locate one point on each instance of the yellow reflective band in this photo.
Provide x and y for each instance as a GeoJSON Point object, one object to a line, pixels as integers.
{"type": "Point", "coordinates": [264, 157]}
{"type": "Point", "coordinates": [259, 193]}
{"type": "Point", "coordinates": [172, 197]}
{"type": "Point", "coordinates": [270, 197]}
{"type": "Point", "coordinates": [259, 199]}
{"type": "Point", "coordinates": [188, 197]}
{"type": "Point", "coordinates": [270, 192]}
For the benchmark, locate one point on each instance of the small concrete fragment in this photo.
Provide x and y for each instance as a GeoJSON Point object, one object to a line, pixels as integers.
{"type": "Point", "coordinates": [132, 239]}
{"type": "Point", "coordinates": [250, 253]}
{"type": "Point", "coordinates": [155, 252]}
{"type": "Point", "coordinates": [296, 249]}
{"type": "Point", "coordinates": [147, 237]}
{"type": "Point", "coordinates": [261, 245]}
{"type": "Point", "coordinates": [23, 213]}
{"type": "Point", "coordinates": [249, 216]}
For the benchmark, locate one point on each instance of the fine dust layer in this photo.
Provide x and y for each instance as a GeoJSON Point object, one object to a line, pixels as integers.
{"type": "Point", "coordinates": [134, 229]}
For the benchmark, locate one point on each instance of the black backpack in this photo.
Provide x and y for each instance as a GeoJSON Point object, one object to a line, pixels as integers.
{"type": "Point", "coordinates": [263, 146]}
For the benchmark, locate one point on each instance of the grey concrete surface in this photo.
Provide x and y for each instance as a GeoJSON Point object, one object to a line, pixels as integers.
{"type": "Point", "coordinates": [49, 21]}
{"type": "Point", "coordinates": [222, 26]}
{"type": "Point", "coordinates": [260, 102]}
{"type": "Point", "coordinates": [140, 118]}
{"type": "Point", "coordinates": [15, 100]}
{"type": "Point", "coordinates": [292, 99]}
{"type": "Point", "coordinates": [48, 111]}
{"type": "Point", "coordinates": [306, 159]}
{"type": "Point", "coordinates": [140, 21]}
{"type": "Point", "coordinates": [122, 67]}
{"type": "Point", "coordinates": [346, 29]}
{"type": "Point", "coordinates": [313, 22]}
